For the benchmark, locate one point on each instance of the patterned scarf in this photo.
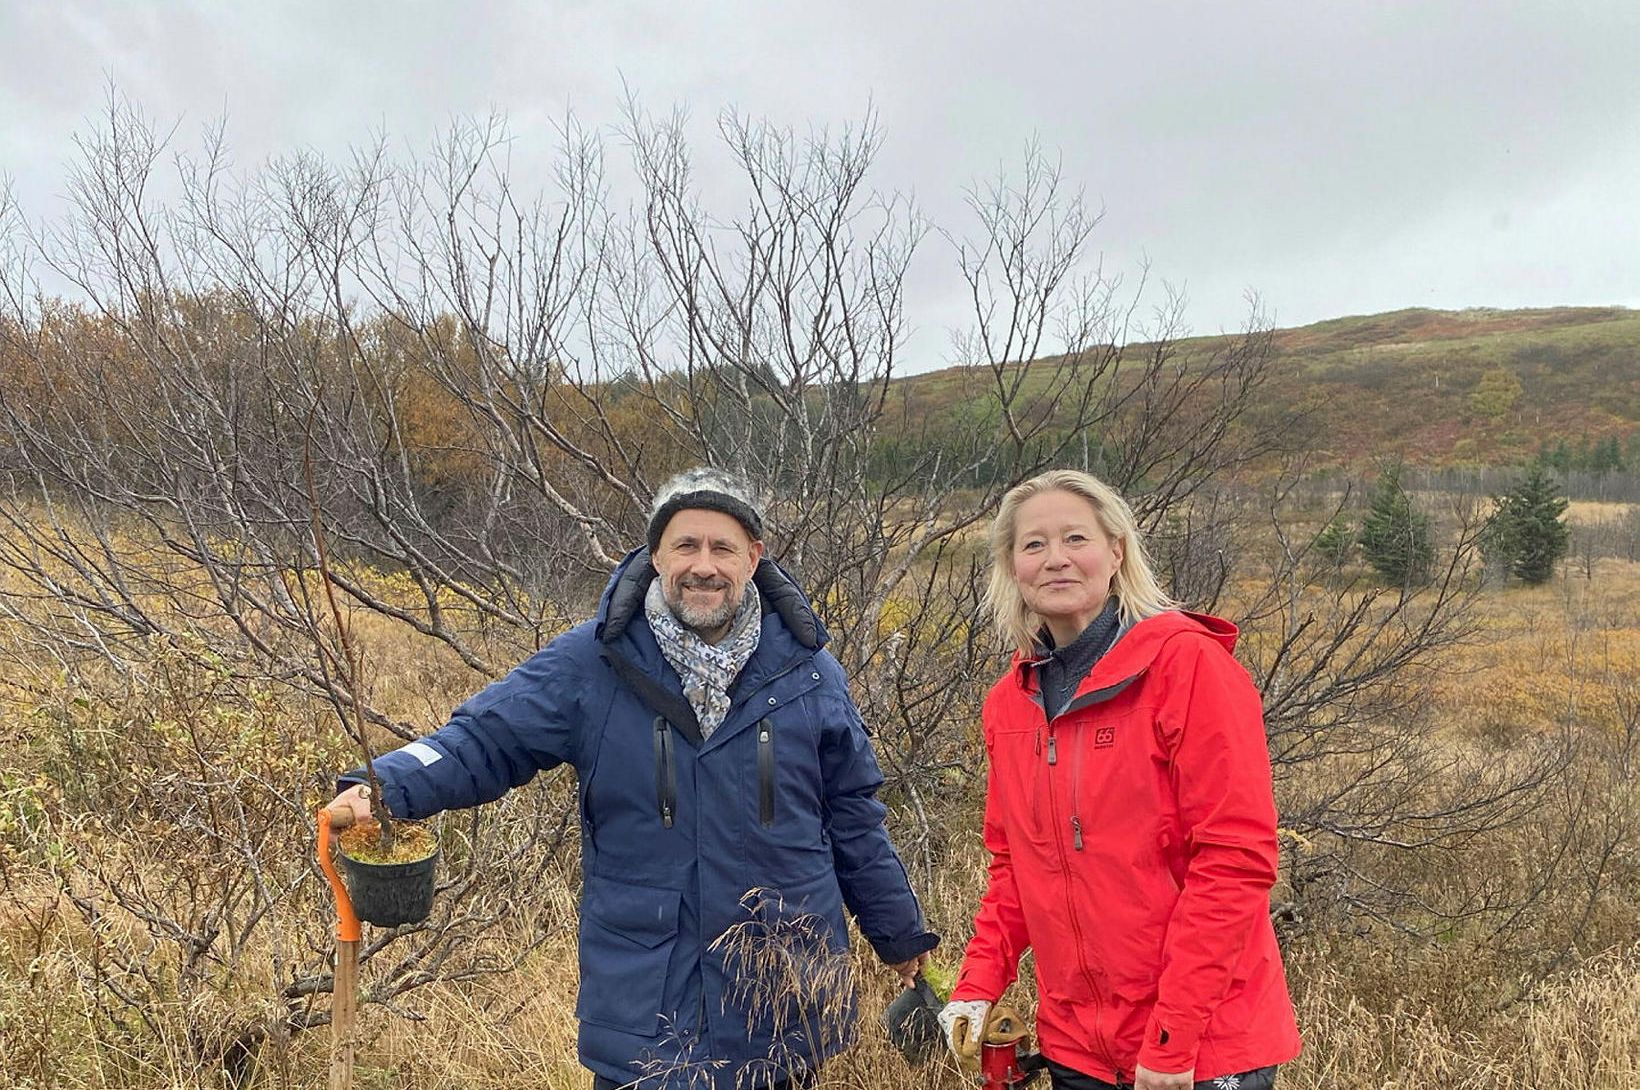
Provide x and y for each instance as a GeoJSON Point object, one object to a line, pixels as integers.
{"type": "Point", "coordinates": [707, 669]}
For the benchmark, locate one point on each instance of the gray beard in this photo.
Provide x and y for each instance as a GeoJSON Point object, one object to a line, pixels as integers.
{"type": "Point", "coordinates": [702, 621]}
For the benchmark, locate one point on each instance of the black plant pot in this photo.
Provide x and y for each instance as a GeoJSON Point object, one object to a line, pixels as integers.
{"type": "Point", "coordinates": [389, 894]}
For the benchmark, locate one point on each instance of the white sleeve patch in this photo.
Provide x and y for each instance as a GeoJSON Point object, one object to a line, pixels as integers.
{"type": "Point", "coordinates": [422, 752]}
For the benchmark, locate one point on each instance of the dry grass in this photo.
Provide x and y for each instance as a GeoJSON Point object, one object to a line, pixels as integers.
{"type": "Point", "coordinates": [1378, 1009]}
{"type": "Point", "coordinates": [1593, 512]}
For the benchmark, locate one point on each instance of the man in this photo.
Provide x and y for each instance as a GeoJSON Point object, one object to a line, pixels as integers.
{"type": "Point", "coordinates": [728, 802]}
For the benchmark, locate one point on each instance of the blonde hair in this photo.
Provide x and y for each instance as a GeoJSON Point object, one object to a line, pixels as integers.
{"type": "Point", "coordinates": [1134, 584]}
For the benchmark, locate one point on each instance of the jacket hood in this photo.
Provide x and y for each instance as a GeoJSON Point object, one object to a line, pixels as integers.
{"type": "Point", "coordinates": [623, 598]}
{"type": "Point", "coordinates": [1135, 649]}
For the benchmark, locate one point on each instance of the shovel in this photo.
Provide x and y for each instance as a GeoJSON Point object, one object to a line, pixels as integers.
{"type": "Point", "coordinates": [913, 1022]}
{"type": "Point", "coordinates": [345, 987]}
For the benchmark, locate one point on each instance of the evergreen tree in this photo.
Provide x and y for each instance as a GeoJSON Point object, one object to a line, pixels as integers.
{"type": "Point", "coordinates": [1606, 456]}
{"type": "Point", "coordinates": [1527, 531]}
{"type": "Point", "coordinates": [1335, 541]}
{"type": "Point", "coordinates": [1395, 538]}
{"type": "Point", "coordinates": [1580, 454]}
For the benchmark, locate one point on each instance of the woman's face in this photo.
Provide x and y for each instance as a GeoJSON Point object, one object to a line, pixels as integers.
{"type": "Point", "coordinates": [1063, 561]}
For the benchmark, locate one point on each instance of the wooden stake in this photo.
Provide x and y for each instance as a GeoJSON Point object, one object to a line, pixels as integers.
{"type": "Point", "coordinates": [344, 1006]}
{"type": "Point", "coordinates": [343, 1009]}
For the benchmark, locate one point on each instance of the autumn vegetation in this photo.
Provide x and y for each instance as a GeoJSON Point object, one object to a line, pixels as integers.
{"type": "Point", "coordinates": [464, 390]}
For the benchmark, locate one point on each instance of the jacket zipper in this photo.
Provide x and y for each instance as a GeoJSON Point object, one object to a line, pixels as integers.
{"type": "Point", "coordinates": [1070, 895]}
{"type": "Point", "coordinates": [1076, 787]}
{"type": "Point", "coordinates": [666, 773]}
{"type": "Point", "coordinates": [1076, 768]}
{"type": "Point", "coordinates": [1097, 697]}
{"type": "Point", "coordinates": [765, 748]}
{"type": "Point", "coordinates": [765, 772]}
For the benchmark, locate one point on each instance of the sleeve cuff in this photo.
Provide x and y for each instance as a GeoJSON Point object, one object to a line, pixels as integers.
{"type": "Point", "coordinates": [1170, 1045]}
{"type": "Point", "coordinates": [893, 953]}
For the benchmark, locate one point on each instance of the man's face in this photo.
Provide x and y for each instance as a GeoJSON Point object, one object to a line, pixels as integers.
{"type": "Point", "coordinates": [704, 560]}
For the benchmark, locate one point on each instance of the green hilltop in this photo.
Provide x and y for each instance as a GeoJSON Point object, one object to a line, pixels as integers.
{"type": "Point", "coordinates": [1478, 386]}
{"type": "Point", "coordinates": [1434, 387]}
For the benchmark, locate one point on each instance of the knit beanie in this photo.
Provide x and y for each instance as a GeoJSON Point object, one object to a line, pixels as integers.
{"type": "Point", "coordinates": [705, 488]}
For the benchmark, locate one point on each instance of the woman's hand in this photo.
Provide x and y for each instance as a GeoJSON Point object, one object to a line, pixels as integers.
{"type": "Point", "coordinates": [1146, 1079]}
{"type": "Point", "coordinates": [964, 1023]}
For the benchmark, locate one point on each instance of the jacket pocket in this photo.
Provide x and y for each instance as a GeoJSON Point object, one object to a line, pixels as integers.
{"type": "Point", "coordinates": [765, 772]}
{"type": "Point", "coordinates": [628, 934]}
{"type": "Point", "coordinates": [666, 773]}
{"type": "Point", "coordinates": [782, 799]}
{"type": "Point", "coordinates": [1019, 771]}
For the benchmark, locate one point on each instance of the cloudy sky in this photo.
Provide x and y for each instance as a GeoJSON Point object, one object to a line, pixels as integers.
{"type": "Point", "coordinates": [1336, 157]}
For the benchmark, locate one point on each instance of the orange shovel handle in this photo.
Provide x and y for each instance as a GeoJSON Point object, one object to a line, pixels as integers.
{"type": "Point", "coordinates": [347, 924]}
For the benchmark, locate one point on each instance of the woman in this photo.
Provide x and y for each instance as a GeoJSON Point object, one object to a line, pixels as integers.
{"type": "Point", "coordinates": [1128, 813]}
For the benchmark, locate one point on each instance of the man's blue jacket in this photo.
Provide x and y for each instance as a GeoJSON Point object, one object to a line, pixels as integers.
{"type": "Point", "coordinates": [716, 872]}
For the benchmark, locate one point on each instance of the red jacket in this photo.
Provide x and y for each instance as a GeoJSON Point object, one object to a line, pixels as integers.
{"type": "Point", "coordinates": [1133, 844]}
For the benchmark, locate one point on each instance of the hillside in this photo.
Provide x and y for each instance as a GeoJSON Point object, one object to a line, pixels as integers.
{"type": "Point", "coordinates": [1468, 386]}
{"type": "Point", "coordinates": [1476, 386]}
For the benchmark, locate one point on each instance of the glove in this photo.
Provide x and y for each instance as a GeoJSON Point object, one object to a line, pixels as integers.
{"type": "Point", "coordinates": [963, 1021]}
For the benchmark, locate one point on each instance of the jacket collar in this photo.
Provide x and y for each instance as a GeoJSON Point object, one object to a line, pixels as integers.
{"type": "Point", "coordinates": [790, 630]}
{"type": "Point", "coordinates": [1134, 650]}
{"type": "Point", "coordinates": [622, 601]}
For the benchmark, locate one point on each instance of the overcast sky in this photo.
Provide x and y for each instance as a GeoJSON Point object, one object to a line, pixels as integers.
{"type": "Point", "coordinates": [1338, 158]}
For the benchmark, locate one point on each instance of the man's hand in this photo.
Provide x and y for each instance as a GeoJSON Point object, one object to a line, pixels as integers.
{"type": "Point", "coordinates": [963, 1021]}
{"type": "Point", "coordinates": [906, 970]}
{"type": "Point", "coordinates": [355, 803]}
{"type": "Point", "coordinates": [1146, 1079]}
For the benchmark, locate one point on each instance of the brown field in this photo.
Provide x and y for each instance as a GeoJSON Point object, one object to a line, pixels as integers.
{"type": "Point", "coordinates": [1488, 1003]}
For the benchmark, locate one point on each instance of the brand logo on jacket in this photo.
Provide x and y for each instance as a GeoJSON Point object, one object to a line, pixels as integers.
{"type": "Point", "coordinates": [1104, 737]}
